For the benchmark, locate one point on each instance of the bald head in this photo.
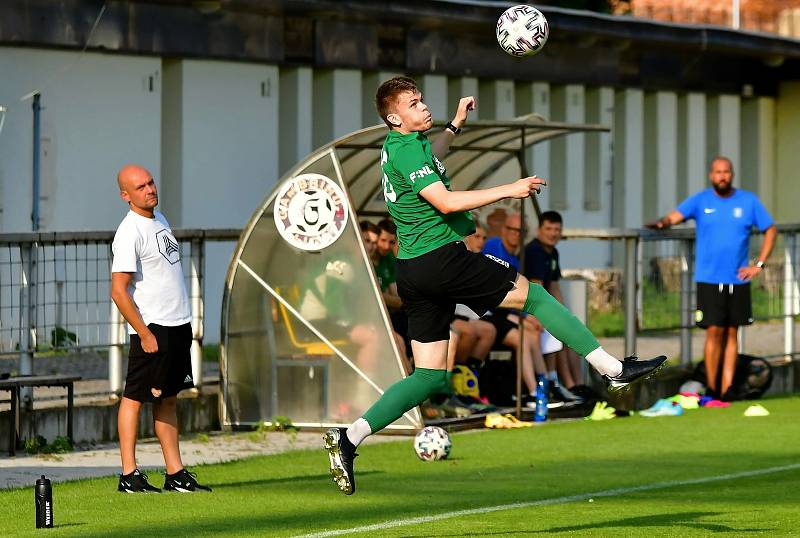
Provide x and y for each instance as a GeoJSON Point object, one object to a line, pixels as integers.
{"type": "Point", "coordinates": [137, 187]}
{"type": "Point", "coordinates": [131, 172]}
{"type": "Point", "coordinates": [513, 220]}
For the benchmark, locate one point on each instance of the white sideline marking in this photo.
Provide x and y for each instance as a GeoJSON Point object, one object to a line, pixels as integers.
{"type": "Point", "coordinates": [546, 502]}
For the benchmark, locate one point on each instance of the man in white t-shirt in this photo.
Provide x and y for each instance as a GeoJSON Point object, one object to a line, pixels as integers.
{"type": "Point", "coordinates": [148, 288]}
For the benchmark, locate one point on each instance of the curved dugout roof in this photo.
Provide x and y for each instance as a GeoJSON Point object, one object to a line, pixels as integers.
{"type": "Point", "coordinates": [480, 150]}
{"type": "Point", "coordinates": [305, 333]}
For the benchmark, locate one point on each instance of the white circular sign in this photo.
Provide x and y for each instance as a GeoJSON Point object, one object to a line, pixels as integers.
{"type": "Point", "coordinates": [310, 212]}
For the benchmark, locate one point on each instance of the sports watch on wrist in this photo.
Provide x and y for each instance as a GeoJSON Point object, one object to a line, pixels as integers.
{"type": "Point", "coordinates": [760, 264]}
{"type": "Point", "coordinates": [453, 129]}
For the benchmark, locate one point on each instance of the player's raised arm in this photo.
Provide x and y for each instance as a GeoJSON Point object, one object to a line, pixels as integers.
{"type": "Point", "coordinates": [453, 201]}
{"type": "Point", "coordinates": [441, 144]}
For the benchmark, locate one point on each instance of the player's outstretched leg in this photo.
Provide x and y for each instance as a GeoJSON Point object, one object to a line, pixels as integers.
{"type": "Point", "coordinates": [407, 393]}
{"type": "Point", "coordinates": [566, 327]}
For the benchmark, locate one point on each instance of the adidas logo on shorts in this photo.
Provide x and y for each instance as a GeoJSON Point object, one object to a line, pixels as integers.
{"type": "Point", "coordinates": [498, 260]}
{"type": "Point", "coordinates": [188, 379]}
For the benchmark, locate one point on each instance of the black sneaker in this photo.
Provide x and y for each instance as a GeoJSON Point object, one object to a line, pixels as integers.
{"type": "Point", "coordinates": [634, 370]}
{"type": "Point", "coordinates": [474, 404]}
{"type": "Point", "coordinates": [183, 482]}
{"type": "Point", "coordinates": [341, 453]}
{"type": "Point", "coordinates": [561, 394]}
{"type": "Point", "coordinates": [529, 401]}
{"type": "Point", "coordinates": [554, 398]}
{"type": "Point", "coordinates": [135, 482]}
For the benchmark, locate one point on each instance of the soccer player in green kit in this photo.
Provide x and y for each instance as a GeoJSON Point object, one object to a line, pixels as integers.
{"type": "Point", "coordinates": [435, 270]}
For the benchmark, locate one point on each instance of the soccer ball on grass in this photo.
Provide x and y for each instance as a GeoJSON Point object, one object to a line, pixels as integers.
{"type": "Point", "coordinates": [432, 443]}
{"type": "Point", "coordinates": [522, 31]}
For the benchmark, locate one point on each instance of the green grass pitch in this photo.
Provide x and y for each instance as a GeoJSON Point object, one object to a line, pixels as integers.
{"type": "Point", "coordinates": [552, 471]}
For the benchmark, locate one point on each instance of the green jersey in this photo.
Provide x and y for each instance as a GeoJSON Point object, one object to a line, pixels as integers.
{"type": "Point", "coordinates": [385, 270]}
{"type": "Point", "coordinates": [325, 290]}
{"type": "Point", "coordinates": [409, 166]}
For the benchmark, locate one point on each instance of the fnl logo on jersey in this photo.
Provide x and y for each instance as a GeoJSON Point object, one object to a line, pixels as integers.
{"type": "Point", "coordinates": [310, 212]}
{"type": "Point", "coordinates": [421, 173]}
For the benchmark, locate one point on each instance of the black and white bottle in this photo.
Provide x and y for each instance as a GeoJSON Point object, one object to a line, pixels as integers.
{"type": "Point", "coordinates": [44, 503]}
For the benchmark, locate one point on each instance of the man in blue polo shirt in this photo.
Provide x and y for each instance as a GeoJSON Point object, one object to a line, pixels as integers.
{"type": "Point", "coordinates": [506, 246]}
{"type": "Point", "coordinates": [724, 217]}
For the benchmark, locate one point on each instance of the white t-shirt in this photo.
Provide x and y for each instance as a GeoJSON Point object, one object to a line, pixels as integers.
{"type": "Point", "coordinates": [147, 248]}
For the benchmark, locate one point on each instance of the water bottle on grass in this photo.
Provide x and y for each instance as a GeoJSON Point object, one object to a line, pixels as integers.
{"type": "Point", "coordinates": [44, 503]}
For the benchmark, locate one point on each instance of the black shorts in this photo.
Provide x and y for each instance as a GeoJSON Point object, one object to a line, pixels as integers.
{"type": "Point", "coordinates": [499, 318]}
{"type": "Point", "coordinates": [723, 305]}
{"type": "Point", "coordinates": [168, 369]}
{"type": "Point", "coordinates": [399, 320]}
{"type": "Point", "coordinates": [432, 284]}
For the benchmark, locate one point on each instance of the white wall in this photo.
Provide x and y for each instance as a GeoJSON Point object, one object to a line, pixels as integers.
{"type": "Point", "coordinates": [434, 93]}
{"type": "Point", "coordinates": [230, 141]}
{"type": "Point", "coordinates": [217, 135]}
{"type": "Point", "coordinates": [723, 124]}
{"type": "Point", "coordinates": [228, 157]}
{"type": "Point", "coordinates": [534, 97]}
{"type": "Point", "coordinates": [296, 115]}
{"type": "Point", "coordinates": [337, 104]}
{"type": "Point", "coordinates": [98, 113]}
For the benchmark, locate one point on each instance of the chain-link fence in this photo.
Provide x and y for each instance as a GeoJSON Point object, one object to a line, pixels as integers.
{"type": "Point", "coordinates": [54, 292]}
{"type": "Point", "coordinates": [649, 291]}
{"type": "Point", "coordinates": [55, 295]}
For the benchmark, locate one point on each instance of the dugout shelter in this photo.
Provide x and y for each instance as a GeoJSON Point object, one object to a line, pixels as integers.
{"type": "Point", "coordinates": [305, 333]}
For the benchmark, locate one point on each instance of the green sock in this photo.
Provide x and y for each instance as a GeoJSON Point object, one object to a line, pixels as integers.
{"type": "Point", "coordinates": [449, 379]}
{"type": "Point", "coordinates": [559, 321]}
{"type": "Point", "coordinates": [404, 395]}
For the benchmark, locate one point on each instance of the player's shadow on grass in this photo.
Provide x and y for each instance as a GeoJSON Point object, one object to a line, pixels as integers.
{"type": "Point", "coordinates": [670, 520]}
{"type": "Point", "coordinates": [673, 520]}
{"type": "Point", "coordinates": [285, 479]}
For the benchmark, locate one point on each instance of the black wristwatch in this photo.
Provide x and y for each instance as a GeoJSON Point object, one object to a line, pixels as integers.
{"type": "Point", "coordinates": [453, 129]}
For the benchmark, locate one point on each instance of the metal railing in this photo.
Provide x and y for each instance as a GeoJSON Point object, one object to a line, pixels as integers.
{"type": "Point", "coordinates": [54, 290]}
{"type": "Point", "coordinates": [55, 296]}
{"type": "Point", "coordinates": [658, 293]}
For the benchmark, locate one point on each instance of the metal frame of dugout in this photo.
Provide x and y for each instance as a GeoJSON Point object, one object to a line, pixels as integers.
{"type": "Point", "coordinates": [281, 358]}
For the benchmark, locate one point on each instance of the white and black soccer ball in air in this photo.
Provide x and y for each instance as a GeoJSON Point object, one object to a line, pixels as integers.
{"type": "Point", "coordinates": [432, 443]}
{"type": "Point", "coordinates": [522, 31]}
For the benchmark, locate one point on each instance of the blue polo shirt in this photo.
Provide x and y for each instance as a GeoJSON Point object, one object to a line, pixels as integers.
{"type": "Point", "coordinates": [723, 232]}
{"type": "Point", "coordinates": [494, 247]}
{"type": "Point", "coordinates": [541, 264]}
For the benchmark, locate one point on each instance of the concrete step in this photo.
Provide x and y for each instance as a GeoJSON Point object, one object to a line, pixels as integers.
{"type": "Point", "coordinates": [96, 421]}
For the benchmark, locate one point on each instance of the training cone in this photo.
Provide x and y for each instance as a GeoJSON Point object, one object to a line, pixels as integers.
{"type": "Point", "coordinates": [756, 410]}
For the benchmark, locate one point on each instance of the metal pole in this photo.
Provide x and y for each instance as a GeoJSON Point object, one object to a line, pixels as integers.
{"type": "Point", "coordinates": [639, 287]}
{"type": "Point", "coordinates": [740, 338]}
{"type": "Point", "coordinates": [116, 340]}
{"type": "Point", "coordinates": [686, 302]}
{"type": "Point", "coordinates": [37, 112]}
{"type": "Point", "coordinates": [27, 317]}
{"type": "Point", "coordinates": [524, 173]}
{"type": "Point", "coordinates": [789, 294]}
{"type": "Point", "coordinates": [196, 298]}
{"type": "Point", "coordinates": [629, 296]}
{"type": "Point", "coordinates": [115, 327]}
